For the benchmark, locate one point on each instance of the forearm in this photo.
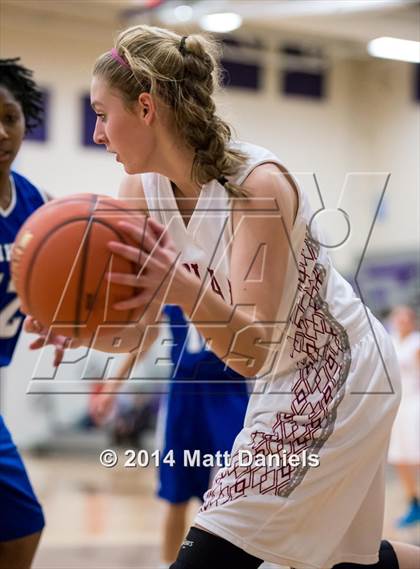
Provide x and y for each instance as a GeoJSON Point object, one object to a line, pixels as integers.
{"type": "Point", "coordinates": [234, 333]}
{"type": "Point", "coordinates": [114, 384]}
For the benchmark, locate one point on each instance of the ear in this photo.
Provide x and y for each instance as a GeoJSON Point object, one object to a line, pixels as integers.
{"type": "Point", "coordinates": [147, 108]}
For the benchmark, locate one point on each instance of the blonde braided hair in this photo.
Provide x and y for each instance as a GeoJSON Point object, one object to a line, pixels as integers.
{"type": "Point", "coordinates": [183, 73]}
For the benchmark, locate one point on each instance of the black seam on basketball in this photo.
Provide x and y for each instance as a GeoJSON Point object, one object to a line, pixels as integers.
{"type": "Point", "coordinates": [33, 259]}
{"type": "Point", "coordinates": [27, 283]}
{"type": "Point", "coordinates": [46, 238]}
{"type": "Point", "coordinates": [81, 294]}
{"type": "Point", "coordinates": [133, 265]}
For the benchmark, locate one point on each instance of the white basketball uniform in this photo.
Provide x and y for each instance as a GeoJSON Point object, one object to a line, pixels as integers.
{"type": "Point", "coordinates": [404, 447]}
{"type": "Point", "coordinates": [323, 391]}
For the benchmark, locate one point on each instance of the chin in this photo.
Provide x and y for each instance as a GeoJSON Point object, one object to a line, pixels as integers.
{"type": "Point", "coordinates": [6, 166]}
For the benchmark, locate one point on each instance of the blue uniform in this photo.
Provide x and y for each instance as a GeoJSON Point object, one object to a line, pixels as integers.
{"type": "Point", "coordinates": [20, 512]}
{"type": "Point", "coordinates": [206, 407]}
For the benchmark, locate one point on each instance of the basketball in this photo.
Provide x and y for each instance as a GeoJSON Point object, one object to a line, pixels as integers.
{"type": "Point", "coordinates": [59, 262]}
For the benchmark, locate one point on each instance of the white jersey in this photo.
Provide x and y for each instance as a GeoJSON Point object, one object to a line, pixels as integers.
{"type": "Point", "coordinates": [311, 398]}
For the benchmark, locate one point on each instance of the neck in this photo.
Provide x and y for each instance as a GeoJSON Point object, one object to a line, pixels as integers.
{"type": "Point", "coordinates": [175, 163]}
{"type": "Point", "coordinates": [4, 184]}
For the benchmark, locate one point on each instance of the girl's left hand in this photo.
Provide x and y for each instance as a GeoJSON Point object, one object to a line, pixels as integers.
{"type": "Point", "coordinates": [101, 406]}
{"type": "Point", "coordinates": [157, 261]}
{"type": "Point", "coordinates": [46, 337]}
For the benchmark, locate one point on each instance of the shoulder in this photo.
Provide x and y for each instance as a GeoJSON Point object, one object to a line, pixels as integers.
{"type": "Point", "coordinates": [27, 190]}
{"type": "Point", "coordinates": [273, 185]}
{"type": "Point", "coordinates": [21, 180]}
{"type": "Point", "coordinates": [267, 180]}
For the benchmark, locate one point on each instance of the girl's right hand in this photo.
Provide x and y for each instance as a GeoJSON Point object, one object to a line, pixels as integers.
{"type": "Point", "coordinates": [45, 338]}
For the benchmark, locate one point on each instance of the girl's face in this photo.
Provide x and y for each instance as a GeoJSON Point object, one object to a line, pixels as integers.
{"type": "Point", "coordinates": [126, 133]}
{"type": "Point", "coordinates": [12, 128]}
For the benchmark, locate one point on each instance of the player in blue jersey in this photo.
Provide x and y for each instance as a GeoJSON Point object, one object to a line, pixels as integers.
{"type": "Point", "coordinates": [205, 410]}
{"type": "Point", "coordinates": [21, 517]}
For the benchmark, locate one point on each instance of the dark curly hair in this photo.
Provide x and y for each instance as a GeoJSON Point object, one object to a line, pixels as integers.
{"type": "Point", "coordinates": [18, 80]}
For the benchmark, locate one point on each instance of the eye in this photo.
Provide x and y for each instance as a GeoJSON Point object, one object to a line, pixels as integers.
{"type": "Point", "coordinates": [101, 117]}
{"type": "Point", "coordinates": [11, 118]}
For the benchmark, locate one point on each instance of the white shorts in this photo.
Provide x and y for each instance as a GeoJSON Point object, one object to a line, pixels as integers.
{"type": "Point", "coordinates": [325, 515]}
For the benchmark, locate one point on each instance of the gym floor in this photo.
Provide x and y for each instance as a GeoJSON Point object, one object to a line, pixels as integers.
{"type": "Point", "coordinates": [99, 518]}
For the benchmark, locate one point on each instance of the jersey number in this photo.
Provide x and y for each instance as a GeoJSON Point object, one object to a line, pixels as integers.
{"type": "Point", "coordinates": [9, 325]}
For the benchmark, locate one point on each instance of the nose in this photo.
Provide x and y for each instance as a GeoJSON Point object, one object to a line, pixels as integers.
{"type": "Point", "coordinates": [99, 136]}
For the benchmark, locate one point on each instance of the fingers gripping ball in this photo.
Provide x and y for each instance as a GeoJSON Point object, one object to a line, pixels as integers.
{"type": "Point", "coordinates": [59, 263]}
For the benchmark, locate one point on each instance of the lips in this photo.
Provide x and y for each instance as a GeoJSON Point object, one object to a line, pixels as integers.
{"type": "Point", "coordinates": [5, 154]}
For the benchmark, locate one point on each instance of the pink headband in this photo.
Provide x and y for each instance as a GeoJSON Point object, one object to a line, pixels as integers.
{"type": "Point", "coordinates": [115, 55]}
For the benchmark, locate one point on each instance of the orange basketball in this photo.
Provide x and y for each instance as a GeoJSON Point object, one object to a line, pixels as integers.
{"type": "Point", "coordinates": [59, 261]}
